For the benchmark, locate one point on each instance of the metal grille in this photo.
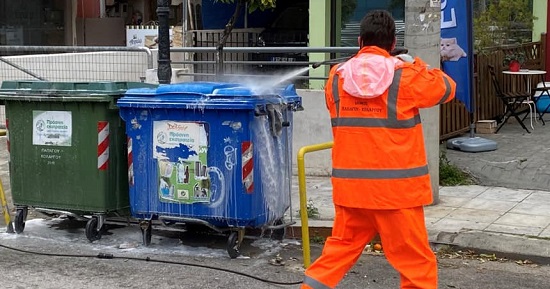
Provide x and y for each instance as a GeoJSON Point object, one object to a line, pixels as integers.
{"type": "Point", "coordinates": [210, 38]}
{"type": "Point", "coordinates": [352, 29]}
{"type": "Point", "coordinates": [63, 63]}
{"type": "Point", "coordinates": [72, 64]}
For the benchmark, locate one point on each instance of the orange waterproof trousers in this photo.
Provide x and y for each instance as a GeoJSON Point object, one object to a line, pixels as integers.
{"type": "Point", "coordinates": [404, 239]}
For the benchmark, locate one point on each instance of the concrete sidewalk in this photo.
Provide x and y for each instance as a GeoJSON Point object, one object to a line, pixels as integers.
{"type": "Point", "coordinates": [509, 222]}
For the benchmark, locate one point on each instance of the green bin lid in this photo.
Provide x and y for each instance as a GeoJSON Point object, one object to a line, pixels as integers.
{"type": "Point", "coordinates": [67, 91]}
{"type": "Point", "coordinates": [103, 87]}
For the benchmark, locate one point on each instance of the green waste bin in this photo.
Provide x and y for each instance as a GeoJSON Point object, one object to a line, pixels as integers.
{"type": "Point", "coordinates": [68, 152]}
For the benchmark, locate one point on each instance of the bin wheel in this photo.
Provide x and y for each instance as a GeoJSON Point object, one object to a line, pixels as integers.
{"type": "Point", "coordinates": [278, 234]}
{"type": "Point", "coordinates": [19, 222]}
{"type": "Point", "coordinates": [146, 232]}
{"type": "Point", "coordinates": [233, 245]}
{"type": "Point", "coordinates": [92, 232]}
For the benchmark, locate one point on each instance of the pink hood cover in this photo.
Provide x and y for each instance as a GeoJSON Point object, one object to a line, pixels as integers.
{"type": "Point", "coordinates": [368, 75]}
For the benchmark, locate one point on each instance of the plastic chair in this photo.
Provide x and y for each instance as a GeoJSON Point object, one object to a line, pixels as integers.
{"type": "Point", "coordinates": [513, 102]}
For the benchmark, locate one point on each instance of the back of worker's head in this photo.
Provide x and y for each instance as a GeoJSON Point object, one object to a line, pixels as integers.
{"type": "Point", "coordinates": [378, 29]}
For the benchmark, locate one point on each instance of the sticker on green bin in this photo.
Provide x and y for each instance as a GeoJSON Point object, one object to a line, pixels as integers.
{"type": "Point", "coordinates": [52, 128]}
{"type": "Point", "coordinates": [181, 152]}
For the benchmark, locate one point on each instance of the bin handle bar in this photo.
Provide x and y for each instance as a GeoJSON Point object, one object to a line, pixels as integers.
{"type": "Point", "coordinates": [60, 212]}
{"type": "Point", "coordinates": [303, 197]}
{"type": "Point", "coordinates": [191, 220]}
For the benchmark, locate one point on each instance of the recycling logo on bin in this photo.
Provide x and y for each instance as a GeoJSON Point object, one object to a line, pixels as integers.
{"type": "Point", "coordinates": [161, 137]}
{"type": "Point", "coordinates": [180, 149]}
{"type": "Point", "coordinates": [40, 125]}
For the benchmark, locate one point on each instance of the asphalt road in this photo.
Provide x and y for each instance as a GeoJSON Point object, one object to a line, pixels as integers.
{"type": "Point", "coordinates": [23, 270]}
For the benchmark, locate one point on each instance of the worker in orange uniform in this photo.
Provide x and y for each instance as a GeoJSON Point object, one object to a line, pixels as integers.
{"type": "Point", "coordinates": [380, 173]}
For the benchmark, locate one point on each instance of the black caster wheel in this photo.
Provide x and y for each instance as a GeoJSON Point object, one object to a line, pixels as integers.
{"type": "Point", "coordinates": [278, 234]}
{"type": "Point", "coordinates": [92, 231]}
{"type": "Point", "coordinates": [233, 245]}
{"type": "Point", "coordinates": [146, 232]}
{"type": "Point", "coordinates": [19, 222]}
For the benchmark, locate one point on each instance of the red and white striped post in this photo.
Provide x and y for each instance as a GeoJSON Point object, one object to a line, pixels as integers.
{"type": "Point", "coordinates": [130, 163]}
{"type": "Point", "coordinates": [102, 145]}
{"type": "Point", "coordinates": [247, 158]}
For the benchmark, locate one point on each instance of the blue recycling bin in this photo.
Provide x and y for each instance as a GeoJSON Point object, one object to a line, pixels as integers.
{"type": "Point", "coordinates": [210, 153]}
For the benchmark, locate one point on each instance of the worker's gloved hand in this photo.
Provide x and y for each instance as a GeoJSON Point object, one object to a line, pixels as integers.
{"type": "Point", "coordinates": [401, 53]}
{"type": "Point", "coordinates": [405, 58]}
{"type": "Point", "coordinates": [399, 50]}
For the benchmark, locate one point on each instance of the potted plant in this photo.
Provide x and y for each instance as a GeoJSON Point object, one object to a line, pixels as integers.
{"type": "Point", "coordinates": [514, 60]}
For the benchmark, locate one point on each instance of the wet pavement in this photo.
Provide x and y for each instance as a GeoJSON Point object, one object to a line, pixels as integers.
{"type": "Point", "coordinates": [508, 211]}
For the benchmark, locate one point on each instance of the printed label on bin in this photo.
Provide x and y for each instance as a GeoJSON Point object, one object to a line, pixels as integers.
{"type": "Point", "coordinates": [180, 149]}
{"type": "Point", "coordinates": [53, 128]}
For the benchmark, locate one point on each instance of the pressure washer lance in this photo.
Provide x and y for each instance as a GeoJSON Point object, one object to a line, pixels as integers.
{"type": "Point", "coordinates": [394, 52]}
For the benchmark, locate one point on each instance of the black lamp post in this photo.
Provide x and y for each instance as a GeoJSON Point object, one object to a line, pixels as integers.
{"type": "Point", "coordinates": [164, 71]}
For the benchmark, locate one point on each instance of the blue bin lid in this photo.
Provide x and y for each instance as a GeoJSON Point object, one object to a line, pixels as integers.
{"type": "Point", "coordinates": [208, 95]}
{"type": "Point", "coordinates": [194, 87]}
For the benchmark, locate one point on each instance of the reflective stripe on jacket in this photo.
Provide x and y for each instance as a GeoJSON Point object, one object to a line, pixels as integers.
{"type": "Point", "coordinates": [378, 157]}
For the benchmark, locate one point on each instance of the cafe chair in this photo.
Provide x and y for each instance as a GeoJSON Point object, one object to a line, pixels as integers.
{"type": "Point", "coordinates": [541, 95]}
{"type": "Point", "coordinates": [514, 103]}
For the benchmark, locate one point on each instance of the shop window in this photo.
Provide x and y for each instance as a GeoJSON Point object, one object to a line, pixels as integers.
{"type": "Point", "coordinates": [32, 22]}
{"type": "Point", "coordinates": [354, 10]}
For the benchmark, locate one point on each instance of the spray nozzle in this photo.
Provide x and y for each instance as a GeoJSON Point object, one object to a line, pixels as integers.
{"type": "Point", "coordinates": [330, 61]}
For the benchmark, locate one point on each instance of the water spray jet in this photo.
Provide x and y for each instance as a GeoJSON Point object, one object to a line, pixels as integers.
{"type": "Point", "coordinates": [260, 87]}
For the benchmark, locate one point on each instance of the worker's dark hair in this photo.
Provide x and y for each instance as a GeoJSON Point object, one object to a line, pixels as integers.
{"type": "Point", "coordinates": [378, 29]}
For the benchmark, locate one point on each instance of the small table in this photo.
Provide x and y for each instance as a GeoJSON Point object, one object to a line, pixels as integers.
{"type": "Point", "coordinates": [528, 73]}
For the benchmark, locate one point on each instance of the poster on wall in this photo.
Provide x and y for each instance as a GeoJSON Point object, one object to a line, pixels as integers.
{"type": "Point", "coordinates": [144, 36]}
{"type": "Point", "coordinates": [457, 47]}
{"type": "Point", "coordinates": [52, 128]}
{"type": "Point", "coordinates": [181, 150]}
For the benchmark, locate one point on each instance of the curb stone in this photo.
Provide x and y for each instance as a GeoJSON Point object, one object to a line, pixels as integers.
{"type": "Point", "coordinates": [518, 247]}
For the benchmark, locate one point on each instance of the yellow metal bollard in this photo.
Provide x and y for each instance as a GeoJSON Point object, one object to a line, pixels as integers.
{"type": "Point", "coordinates": [5, 209]}
{"type": "Point", "coordinates": [303, 197]}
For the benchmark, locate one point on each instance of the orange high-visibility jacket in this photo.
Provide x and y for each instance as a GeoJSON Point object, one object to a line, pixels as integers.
{"type": "Point", "coordinates": [378, 158]}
